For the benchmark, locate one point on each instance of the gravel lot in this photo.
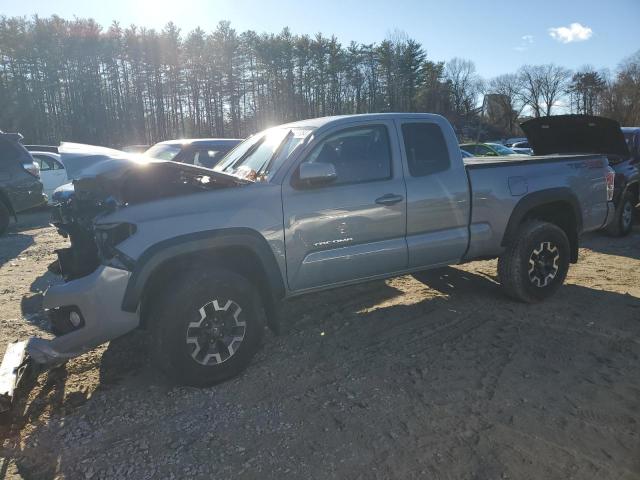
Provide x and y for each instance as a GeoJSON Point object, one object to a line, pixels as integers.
{"type": "Point", "coordinates": [433, 376]}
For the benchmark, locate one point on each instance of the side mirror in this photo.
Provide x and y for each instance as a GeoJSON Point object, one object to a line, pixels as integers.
{"type": "Point", "coordinates": [314, 174]}
{"type": "Point", "coordinates": [491, 154]}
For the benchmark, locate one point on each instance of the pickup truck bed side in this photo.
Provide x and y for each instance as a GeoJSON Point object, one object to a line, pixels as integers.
{"type": "Point", "coordinates": [504, 193]}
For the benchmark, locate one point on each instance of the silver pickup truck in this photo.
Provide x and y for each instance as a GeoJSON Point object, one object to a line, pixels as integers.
{"type": "Point", "coordinates": [203, 258]}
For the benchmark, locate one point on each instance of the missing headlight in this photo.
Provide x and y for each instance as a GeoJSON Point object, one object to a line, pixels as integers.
{"type": "Point", "coordinates": [108, 236]}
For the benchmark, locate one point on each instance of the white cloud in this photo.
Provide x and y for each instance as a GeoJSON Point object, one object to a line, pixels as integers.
{"type": "Point", "coordinates": [575, 32]}
{"type": "Point", "coordinates": [525, 42]}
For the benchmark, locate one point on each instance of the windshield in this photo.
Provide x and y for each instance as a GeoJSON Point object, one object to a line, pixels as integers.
{"type": "Point", "coordinates": [163, 151]}
{"type": "Point", "coordinates": [260, 156]}
{"type": "Point", "coordinates": [501, 149]}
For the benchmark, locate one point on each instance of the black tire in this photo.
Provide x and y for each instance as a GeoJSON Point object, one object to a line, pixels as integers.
{"type": "Point", "coordinates": [5, 217]}
{"type": "Point", "coordinates": [535, 265]}
{"type": "Point", "coordinates": [178, 347]}
{"type": "Point", "coordinates": [622, 223]}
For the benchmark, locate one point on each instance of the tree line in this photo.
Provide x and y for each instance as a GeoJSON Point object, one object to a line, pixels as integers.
{"type": "Point", "coordinates": [75, 80]}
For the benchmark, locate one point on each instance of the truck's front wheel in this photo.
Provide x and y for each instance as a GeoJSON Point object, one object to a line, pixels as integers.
{"type": "Point", "coordinates": [208, 328]}
{"type": "Point", "coordinates": [535, 265]}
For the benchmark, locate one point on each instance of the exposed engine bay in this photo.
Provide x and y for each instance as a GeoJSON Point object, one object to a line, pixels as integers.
{"type": "Point", "coordinates": [117, 183]}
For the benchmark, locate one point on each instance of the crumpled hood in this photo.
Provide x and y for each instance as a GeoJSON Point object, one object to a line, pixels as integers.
{"type": "Point", "coordinates": [78, 157]}
{"type": "Point", "coordinates": [566, 134]}
{"type": "Point", "coordinates": [131, 178]}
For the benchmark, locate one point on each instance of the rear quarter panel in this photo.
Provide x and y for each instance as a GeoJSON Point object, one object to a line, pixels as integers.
{"type": "Point", "coordinates": [497, 189]}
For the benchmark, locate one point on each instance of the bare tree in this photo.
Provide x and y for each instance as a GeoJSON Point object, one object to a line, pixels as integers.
{"type": "Point", "coordinates": [530, 92]}
{"type": "Point", "coordinates": [554, 82]}
{"type": "Point", "coordinates": [621, 97]}
{"type": "Point", "coordinates": [542, 87]}
{"type": "Point", "coordinates": [465, 85]}
{"type": "Point", "coordinates": [504, 92]}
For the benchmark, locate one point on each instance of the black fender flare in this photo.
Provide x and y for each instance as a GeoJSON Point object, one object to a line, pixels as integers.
{"type": "Point", "coordinates": [166, 250]}
{"type": "Point", "coordinates": [541, 198]}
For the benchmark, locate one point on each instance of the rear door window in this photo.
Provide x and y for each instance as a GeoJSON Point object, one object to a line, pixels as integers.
{"type": "Point", "coordinates": [425, 148]}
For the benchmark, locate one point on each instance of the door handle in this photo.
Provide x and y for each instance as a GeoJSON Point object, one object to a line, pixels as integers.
{"type": "Point", "coordinates": [389, 199]}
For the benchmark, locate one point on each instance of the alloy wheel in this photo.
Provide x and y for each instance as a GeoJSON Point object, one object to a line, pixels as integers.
{"type": "Point", "coordinates": [217, 335]}
{"type": "Point", "coordinates": [543, 264]}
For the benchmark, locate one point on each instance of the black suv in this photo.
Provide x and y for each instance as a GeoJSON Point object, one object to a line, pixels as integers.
{"type": "Point", "coordinates": [20, 186]}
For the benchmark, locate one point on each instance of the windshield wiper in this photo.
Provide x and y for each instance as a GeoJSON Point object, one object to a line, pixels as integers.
{"type": "Point", "coordinates": [267, 164]}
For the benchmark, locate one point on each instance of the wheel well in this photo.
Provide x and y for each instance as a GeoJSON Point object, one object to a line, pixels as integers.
{"type": "Point", "coordinates": [242, 260]}
{"type": "Point", "coordinates": [559, 213]}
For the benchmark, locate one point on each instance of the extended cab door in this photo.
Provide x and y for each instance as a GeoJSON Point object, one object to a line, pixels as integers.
{"type": "Point", "coordinates": [438, 197]}
{"type": "Point", "coordinates": [354, 227]}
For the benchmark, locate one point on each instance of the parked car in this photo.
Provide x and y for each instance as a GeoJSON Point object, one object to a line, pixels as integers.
{"type": "Point", "coordinates": [20, 186]}
{"type": "Point", "coordinates": [465, 154]}
{"type": "Point", "coordinates": [204, 152]}
{"type": "Point", "coordinates": [135, 148]}
{"type": "Point", "coordinates": [78, 157]}
{"type": "Point", "coordinates": [203, 262]}
{"type": "Point", "coordinates": [510, 141]}
{"type": "Point", "coordinates": [487, 149]}
{"type": "Point", "coordinates": [42, 148]}
{"type": "Point", "coordinates": [522, 148]}
{"type": "Point", "coordinates": [566, 134]}
{"type": "Point", "coordinates": [52, 172]}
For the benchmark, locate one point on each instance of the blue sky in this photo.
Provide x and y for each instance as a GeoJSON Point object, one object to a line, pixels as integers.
{"type": "Point", "coordinates": [498, 35]}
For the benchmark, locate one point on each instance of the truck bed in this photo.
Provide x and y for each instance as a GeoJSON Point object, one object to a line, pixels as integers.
{"type": "Point", "coordinates": [483, 162]}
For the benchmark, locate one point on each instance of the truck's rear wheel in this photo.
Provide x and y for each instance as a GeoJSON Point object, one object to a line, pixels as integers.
{"type": "Point", "coordinates": [207, 329]}
{"type": "Point", "coordinates": [622, 223]}
{"type": "Point", "coordinates": [535, 265]}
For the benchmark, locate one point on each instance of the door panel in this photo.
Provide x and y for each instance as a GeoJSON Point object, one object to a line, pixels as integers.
{"type": "Point", "coordinates": [437, 194]}
{"type": "Point", "coordinates": [347, 231]}
{"type": "Point", "coordinates": [52, 179]}
{"type": "Point", "coordinates": [52, 173]}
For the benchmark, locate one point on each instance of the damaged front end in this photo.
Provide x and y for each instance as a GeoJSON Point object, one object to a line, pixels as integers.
{"type": "Point", "coordinates": [85, 310]}
{"type": "Point", "coordinates": [119, 184]}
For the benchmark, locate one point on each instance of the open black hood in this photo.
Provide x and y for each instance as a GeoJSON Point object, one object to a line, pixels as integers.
{"type": "Point", "coordinates": [575, 134]}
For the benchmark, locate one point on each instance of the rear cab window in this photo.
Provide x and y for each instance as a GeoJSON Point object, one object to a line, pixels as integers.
{"type": "Point", "coordinates": [425, 148]}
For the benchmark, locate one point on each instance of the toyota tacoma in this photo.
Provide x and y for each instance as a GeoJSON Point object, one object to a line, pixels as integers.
{"type": "Point", "coordinates": [203, 258]}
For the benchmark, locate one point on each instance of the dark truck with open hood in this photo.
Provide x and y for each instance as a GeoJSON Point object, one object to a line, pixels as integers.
{"type": "Point", "coordinates": [203, 258]}
{"type": "Point", "coordinates": [571, 134]}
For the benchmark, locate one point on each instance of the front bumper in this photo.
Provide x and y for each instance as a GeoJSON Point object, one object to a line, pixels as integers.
{"type": "Point", "coordinates": [97, 297]}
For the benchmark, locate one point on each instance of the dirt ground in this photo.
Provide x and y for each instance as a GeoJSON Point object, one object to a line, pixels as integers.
{"type": "Point", "coordinates": [437, 376]}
